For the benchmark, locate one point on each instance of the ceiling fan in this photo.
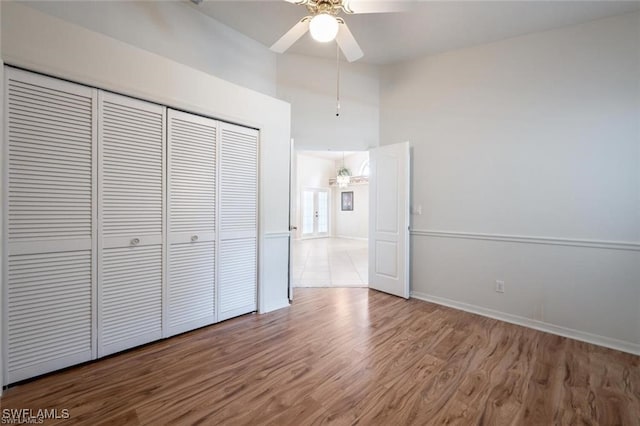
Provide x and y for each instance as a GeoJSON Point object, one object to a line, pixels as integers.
{"type": "Point", "coordinates": [325, 25]}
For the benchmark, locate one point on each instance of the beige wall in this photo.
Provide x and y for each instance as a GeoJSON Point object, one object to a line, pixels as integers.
{"type": "Point", "coordinates": [517, 147]}
{"type": "Point", "coordinates": [178, 31]}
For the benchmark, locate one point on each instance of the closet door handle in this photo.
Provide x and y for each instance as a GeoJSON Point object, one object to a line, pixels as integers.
{"type": "Point", "coordinates": [135, 241]}
{"type": "Point", "coordinates": [194, 238]}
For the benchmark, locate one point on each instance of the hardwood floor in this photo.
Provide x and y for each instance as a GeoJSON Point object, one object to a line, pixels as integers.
{"type": "Point", "coordinates": [349, 356]}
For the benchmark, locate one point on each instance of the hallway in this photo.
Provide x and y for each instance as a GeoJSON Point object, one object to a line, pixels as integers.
{"type": "Point", "coordinates": [330, 262]}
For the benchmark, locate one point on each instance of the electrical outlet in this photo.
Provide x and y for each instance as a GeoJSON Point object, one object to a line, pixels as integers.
{"type": "Point", "coordinates": [499, 286]}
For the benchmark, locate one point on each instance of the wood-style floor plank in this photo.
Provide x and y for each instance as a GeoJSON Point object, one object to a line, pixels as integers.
{"type": "Point", "coordinates": [349, 356]}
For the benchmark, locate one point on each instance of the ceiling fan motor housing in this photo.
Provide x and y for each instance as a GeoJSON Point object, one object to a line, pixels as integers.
{"type": "Point", "coordinates": [330, 7]}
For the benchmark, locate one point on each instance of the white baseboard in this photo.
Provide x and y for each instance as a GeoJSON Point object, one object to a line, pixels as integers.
{"type": "Point", "coordinates": [595, 339]}
{"type": "Point", "coordinates": [283, 304]}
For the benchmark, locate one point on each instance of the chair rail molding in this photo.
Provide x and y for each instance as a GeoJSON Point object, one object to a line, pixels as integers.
{"type": "Point", "coordinates": [283, 234]}
{"type": "Point", "coordinates": [570, 242]}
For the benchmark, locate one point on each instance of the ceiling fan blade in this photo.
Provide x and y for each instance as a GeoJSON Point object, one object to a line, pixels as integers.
{"type": "Point", "coordinates": [287, 40]}
{"type": "Point", "coordinates": [297, 1]}
{"type": "Point", "coordinates": [348, 44]}
{"type": "Point", "coordinates": [376, 6]}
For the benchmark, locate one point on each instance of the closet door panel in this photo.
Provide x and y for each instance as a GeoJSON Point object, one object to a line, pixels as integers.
{"type": "Point", "coordinates": [191, 286]}
{"type": "Point", "coordinates": [50, 159]}
{"type": "Point", "coordinates": [49, 312]}
{"type": "Point", "coordinates": [131, 304]}
{"type": "Point", "coordinates": [192, 180]}
{"type": "Point", "coordinates": [50, 275]}
{"type": "Point", "coordinates": [238, 221]}
{"type": "Point", "coordinates": [132, 134]}
{"type": "Point", "coordinates": [238, 272]}
{"type": "Point", "coordinates": [192, 169]}
{"type": "Point", "coordinates": [131, 262]}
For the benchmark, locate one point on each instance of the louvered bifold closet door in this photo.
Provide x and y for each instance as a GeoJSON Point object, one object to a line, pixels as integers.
{"type": "Point", "coordinates": [50, 224]}
{"type": "Point", "coordinates": [192, 154]}
{"type": "Point", "coordinates": [238, 221]}
{"type": "Point", "coordinates": [131, 258]}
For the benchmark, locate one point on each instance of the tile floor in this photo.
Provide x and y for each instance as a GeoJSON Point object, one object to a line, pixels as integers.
{"type": "Point", "coordinates": [330, 262]}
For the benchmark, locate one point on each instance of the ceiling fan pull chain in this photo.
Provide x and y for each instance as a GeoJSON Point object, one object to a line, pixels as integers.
{"type": "Point", "coordinates": [338, 80]}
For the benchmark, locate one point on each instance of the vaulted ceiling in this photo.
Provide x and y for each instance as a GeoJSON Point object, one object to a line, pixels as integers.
{"type": "Point", "coordinates": [427, 27]}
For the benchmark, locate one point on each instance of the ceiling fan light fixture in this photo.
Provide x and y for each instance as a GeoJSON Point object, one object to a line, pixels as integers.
{"type": "Point", "coordinates": [323, 27]}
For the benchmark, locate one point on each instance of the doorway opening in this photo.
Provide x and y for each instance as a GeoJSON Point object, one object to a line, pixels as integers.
{"type": "Point", "coordinates": [330, 219]}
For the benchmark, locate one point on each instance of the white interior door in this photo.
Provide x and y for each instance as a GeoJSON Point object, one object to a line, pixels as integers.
{"type": "Point", "coordinates": [131, 158]}
{"type": "Point", "coordinates": [389, 219]}
{"type": "Point", "coordinates": [191, 192]}
{"type": "Point", "coordinates": [238, 224]}
{"type": "Point", "coordinates": [50, 225]}
{"type": "Point", "coordinates": [315, 213]}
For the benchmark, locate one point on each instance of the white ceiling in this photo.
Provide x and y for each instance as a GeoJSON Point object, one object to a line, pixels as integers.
{"type": "Point", "coordinates": [428, 27]}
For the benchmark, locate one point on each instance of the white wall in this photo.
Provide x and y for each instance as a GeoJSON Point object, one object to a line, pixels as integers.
{"type": "Point", "coordinates": [311, 172]}
{"type": "Point", "coordinates": [178, 31]}
{"type": "Point", "coordinates": [352, 224]}
{"type": "Point", "coordinates": [309, 84]}
{"type": "Point", "coordinates": [534, 136]}
{"type": "Point", "coordinates": [42, 43]}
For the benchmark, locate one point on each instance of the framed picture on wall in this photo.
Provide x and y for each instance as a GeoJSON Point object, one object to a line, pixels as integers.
{"type": "Point", "coordinates": [347, 201]}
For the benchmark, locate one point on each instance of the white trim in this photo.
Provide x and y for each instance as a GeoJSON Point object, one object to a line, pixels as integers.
{"type": "Point", "coordinates": [216, 252]}
{"type": "Point", "coordinates": [49, 246]}
{"type": "Point", "coordinates": [271, 235]}
{"type": "Point", "coordinates": [95, 229]}
{"type": "Point", "coordinates": [282, 305]}
{"type": "Point", "coordinates": [164, 237]}
{"type": "Point", "coordinates": [4, 204]}
{"type": "Point", "coordinates": [620, 345]}
{"type": "Point", "coordinates": [98, 245]}
{"type": "Point", "coordinates": [600, 244]}
{"type": "Point", "coordinates": [260, 266]}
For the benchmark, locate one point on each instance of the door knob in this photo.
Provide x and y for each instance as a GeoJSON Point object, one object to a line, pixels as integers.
{"type": "Point", "coordinates": [293, 228]}
{"type": "Point", "coordinates": [135, 241]}
{"type": "Point", "coordinates": [194, 238]}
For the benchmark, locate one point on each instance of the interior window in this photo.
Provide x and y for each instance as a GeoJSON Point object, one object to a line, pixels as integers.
{"type": "Point", "coordinates": [364, 168]}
